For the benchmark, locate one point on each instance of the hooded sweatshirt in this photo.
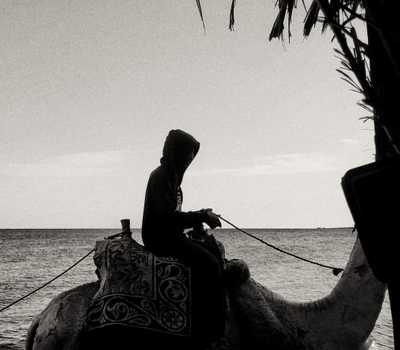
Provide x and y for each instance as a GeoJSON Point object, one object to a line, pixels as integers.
{"type": "Point", "coordinates": [163, 219]}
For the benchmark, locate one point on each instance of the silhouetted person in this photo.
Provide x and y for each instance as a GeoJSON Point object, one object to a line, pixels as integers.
{"type": "Point", "coordinates": [163, 228]}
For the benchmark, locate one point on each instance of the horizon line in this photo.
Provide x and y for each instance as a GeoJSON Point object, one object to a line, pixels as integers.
{"type": "Point", "coordinates": [139, 228]}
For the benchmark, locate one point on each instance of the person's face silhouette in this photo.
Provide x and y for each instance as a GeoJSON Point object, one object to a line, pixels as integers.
{"type": "Point", "coordinates": [188, 159]}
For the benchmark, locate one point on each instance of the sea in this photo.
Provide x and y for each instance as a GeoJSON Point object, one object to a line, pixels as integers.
{"type": "Point", "coordinates": [30, 258]}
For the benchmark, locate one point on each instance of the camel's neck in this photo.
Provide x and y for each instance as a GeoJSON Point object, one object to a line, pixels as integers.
{"type": "Point", "coordinates": [358, 278]}
{"type": "Point", "coordinates": [348, 314]}
{"type": "Point", "coordinates": [358, 294]}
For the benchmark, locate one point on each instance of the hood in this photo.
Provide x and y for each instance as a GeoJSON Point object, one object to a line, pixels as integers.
{"type": "Point", "coordinates": [178, 147]}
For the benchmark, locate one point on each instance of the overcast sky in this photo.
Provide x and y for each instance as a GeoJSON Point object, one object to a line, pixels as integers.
{"type": "Point", "coordinates": [89, 90]}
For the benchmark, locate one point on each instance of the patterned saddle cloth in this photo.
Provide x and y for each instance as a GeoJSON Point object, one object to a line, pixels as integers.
{"type": "Point", "coordinates": [140, 290]}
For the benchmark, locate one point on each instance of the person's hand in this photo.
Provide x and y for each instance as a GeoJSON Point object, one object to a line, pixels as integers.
{"type": "Point", "coordinates": [211, 219]}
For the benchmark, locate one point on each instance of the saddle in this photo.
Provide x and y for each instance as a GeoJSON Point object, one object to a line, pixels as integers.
{"type": "Point", "coordinates": [140, 290]}
{"type": "Point", "coordinates": [149, 299]}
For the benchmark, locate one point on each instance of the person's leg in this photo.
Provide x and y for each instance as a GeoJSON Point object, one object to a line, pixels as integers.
{"type": "Point", "coordinates": [208, 294]}
{"type": "Point", "coordinates": [214, 247]}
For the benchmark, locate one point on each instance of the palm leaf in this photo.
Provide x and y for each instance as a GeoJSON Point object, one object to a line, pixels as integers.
{"type": "Point", "coordinates": [232, 15]}
{"type": "Point", "coordinates": [285, 7]}
{"type": "Point", "coordinates": [278, 26]}
{"type": "Point", "coordinates": [201, 13]}
{"type": "Point", "coordinates": [311, 18]}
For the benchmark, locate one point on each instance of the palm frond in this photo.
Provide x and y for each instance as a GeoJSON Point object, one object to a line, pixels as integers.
{"type": "Point", "coordinates": [201, 14]}
{"type": "Point", "coordinates": [352, 11]}
{"type": "Point", "coordinates": [304, 6]}
{"type": "Point", "coordinates": [285, 8]}
{"type": "Point", "coordinates": [232, 16]}
{"type": "Point", "coordinates": [278, 26]}
{"type": "Point", "coordinates": [311, 18]}
{"type": "Point", "coordinates": [367, 118]}
{"type": "Point", "coordinates": [366, 106]}
{"type": "Point", "coordinates": [290, 5]}
{"type": "Point", "coordinates": [345, 77]}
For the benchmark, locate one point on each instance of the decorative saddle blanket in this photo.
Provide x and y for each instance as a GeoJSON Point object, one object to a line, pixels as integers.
{"type": "Point", "coordinates": [140, 290]}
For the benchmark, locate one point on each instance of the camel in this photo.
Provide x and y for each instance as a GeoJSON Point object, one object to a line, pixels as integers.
{"type": "Point", "coordinates": [258, 318]}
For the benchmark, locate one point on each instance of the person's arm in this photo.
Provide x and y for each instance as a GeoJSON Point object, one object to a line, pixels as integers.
{"type": "Point", "coordinates": [194, 218]}
{"type": "Point", "coordinates": [164, 206]}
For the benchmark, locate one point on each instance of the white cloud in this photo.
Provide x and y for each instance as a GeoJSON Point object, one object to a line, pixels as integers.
{"type": "Point", "coordinates": [115, 163]}
{"type": "Point", "coordinates": [350, 142]}
{"type": "Point", "coordinates": [291, 163]}
{"type": "Point", "coordinates": [70, 165]}
{"type": "Point", "coordinates": [294, 163]}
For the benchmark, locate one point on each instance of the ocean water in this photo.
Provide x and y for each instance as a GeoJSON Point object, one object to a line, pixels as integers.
{"type": "Point", "coordinates": [29, 258]}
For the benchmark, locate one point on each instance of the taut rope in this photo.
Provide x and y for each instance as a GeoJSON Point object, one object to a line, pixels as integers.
{"type": "Point", "coordinates": [335, 270]}
{"type": "Point", "coordinates": [47, 283]}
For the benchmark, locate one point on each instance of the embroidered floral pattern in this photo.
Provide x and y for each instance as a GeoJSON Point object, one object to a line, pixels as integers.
{"type": "Point", "coordinates": [140, 290]}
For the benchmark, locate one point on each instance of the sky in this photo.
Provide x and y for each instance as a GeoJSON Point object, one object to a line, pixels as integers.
{"type": "Point", "coordinates": [89, 90]}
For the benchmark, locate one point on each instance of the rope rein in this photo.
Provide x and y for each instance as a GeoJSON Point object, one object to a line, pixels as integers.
{"type": "Point", "coordinates": [47, 283]}
{"type": "Point", "coordinates": [335, 270]}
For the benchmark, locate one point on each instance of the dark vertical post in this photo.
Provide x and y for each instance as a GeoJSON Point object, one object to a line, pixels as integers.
{"type": "Point", "coordinates": [126, 227]}
{"type": "Point", "coordinates": [383, 30]}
